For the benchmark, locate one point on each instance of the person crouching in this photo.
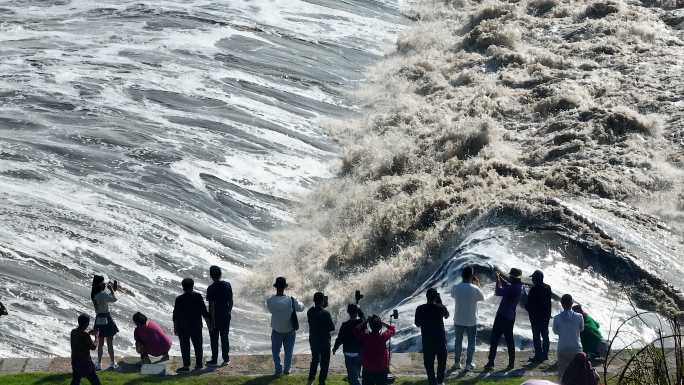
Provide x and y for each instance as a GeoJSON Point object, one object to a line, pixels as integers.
{"type": "Point", "coordinates": [81, 345]}
{"type": "Point", "coordinates": [150, 339]}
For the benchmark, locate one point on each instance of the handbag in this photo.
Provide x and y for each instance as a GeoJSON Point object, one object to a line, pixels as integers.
{"type": "Point", "coordinates": [101, 320]}
{"type": "Point", "coordinates": [293, 317]}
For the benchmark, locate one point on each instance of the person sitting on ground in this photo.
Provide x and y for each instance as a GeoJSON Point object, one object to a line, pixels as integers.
{"type": "Point", "coordinates": [466, 296]}
{"type": "Point", "coordinates": [220, 298]}
{"type": "Point", "coordinates": [81, 345]}
{"type": "Point", "coordinates": [351, 346]}
{"type": "Point", "coordinates": [188, 312]}
{"type": "Point", "coordinates": [284, 325]}
{"type": "Point", "coordinates": [580, 372]}
{"type": "Point", "coordinates": [591, 337]}
{"type": "Point", "coordinates": [510, 293]}
{"type": "Point", "coordinates": [150, 339]}
{"type": "Point", "coordinates": [539, 309]}
{"type": "Point", "coordinates": [567, 325]}
{"type": "Point", "coordinates": [374, 351]}
{"type": "Point", "coordinates": [430, 319]}
{"type": "Point", "coordinates": [320, 326]}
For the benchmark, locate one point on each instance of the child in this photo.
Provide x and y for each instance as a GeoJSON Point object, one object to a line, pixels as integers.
{"type": "Point", "coordinates": [81, 345]}
{"type": "Point", "coordinates": [374, 352]}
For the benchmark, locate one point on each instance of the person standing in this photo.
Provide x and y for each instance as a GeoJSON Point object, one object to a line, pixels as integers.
{"type": "Point", "coordinates": [220, 298]}
{"type": "Point", "coordinates": [374, 351]}
{"type": "Point", "coordinates": [188, 312]}
{"type": "Point", "coordinates": [591, 337]}
{"type": "Point", "coordinates": [567, 325]}
{"type": "Point", "coordinates": [320, 326]}
{"type": "Point", "coordinates": [104, 323]}
{"type": "Point", "coordinates": [351, 346]}
{"type": "Point", "coordinates": [466, 296]}
{"type": "Point", "coordinates": [284, 325]}
{"type": "Point", "coordinates": [539, 309]}
{"type": "Point", "coordinates": [81, 345]}
{"type": "Point", "coordinates": [150, 339]}
{"type": "Point", "coordinates": [510, 293]}
{"type": "Point", "coordinates": [430, 319]}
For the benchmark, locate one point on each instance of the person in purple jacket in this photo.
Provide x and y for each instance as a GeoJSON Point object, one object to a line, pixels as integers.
{"type": "Point", "coordinates": [510, 293]}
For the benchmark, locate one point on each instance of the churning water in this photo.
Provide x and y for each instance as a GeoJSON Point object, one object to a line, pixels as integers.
{"type": "Point", "coordinates": [148, 140]}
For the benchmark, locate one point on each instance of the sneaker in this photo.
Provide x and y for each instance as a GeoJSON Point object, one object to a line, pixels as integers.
{"type": "Point", "coordinates": [510, 367]}
{"type": "Point", "coordinates": [198, 368]}
{"type": "Point", "coordinates": [278, 373]}
{"type": "Point", "coordinates": [113, 366]}
{"type": "Point", "coordinates": [211, 363]}
{"type": "Point", "coordinates": [286, 372]}
{"type": "Point", "coordinates": [457, 366]}
{"type": "Point", "coordinates": [470, 366]}
{"type": "Point", "coordinates": [489, 366]}
{"type": "Point", "coordinates": [165, 357]}
{"type": "Point", "coordinates": [145, 361]}
{"type": "Point", "coordinates": [310, 381]}
{"type": "Point", "coordinates": [98, 366]}
{"type": "Point", "coordinates": [184, 369]}
{"type": "Point", "coordinates": [225, 362]}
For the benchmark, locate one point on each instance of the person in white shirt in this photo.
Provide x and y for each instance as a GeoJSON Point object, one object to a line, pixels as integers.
{"type": "Point", "coordinates": [284, 328]}
{"type": "Point", "coordinates": [567, 325]}
{"type": "Point", "coordinates": [466, 295]}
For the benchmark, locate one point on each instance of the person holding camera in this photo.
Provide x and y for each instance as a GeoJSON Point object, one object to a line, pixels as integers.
{"type": "Point", "coordinates": [150, 339]}
{"type": "Point", "coordinates": [284, 325]}
{"type": "Point", "coordinates": [466, 295]}
{"type": "Point", "coordinates": [220, 298]}
{"type": "Point", "coordinates": [320, 326]}
{"type": "Point", "coordinates": [430, 319]}
{"type": "Point", "coordinates": [81, 345]}
{"type": "Point", "coordinates": [104, 323]}
{"type": "Point", "coordinates": [510, 293]}
{"type": "Point", "coordinates": [188, 312]}
{"type": "Point", "coordinates": [351, 346]}
{"type": "Point", "coordinates": [375, 355]}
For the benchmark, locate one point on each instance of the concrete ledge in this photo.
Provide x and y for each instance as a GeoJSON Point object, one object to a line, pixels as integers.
{"type": "Point", "coordinates": [404, 364]}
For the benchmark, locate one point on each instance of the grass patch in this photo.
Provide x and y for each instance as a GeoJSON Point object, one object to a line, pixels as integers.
{"type": "Point", "coordinates": [109, 378]}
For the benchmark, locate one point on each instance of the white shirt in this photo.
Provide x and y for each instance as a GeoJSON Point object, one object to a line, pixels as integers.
{"type": "Point", "coordinates": [568, 325]}
{"type": "Point", "coordinates": [280, 307]}
{"type": "Point", "coordinates": [466, 295]}
{"type": "Point", "coordinates": [102, 301]}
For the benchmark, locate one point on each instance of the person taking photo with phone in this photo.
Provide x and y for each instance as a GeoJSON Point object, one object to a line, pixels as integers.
{"type": "Point", "coordinates": [102, 294]}
{"type": "Point", "coordinates": [351, 346]}
{"type": "Point", "coordinates": [320, 326]}
{"type": "Point", "coordinates": [430, 319]}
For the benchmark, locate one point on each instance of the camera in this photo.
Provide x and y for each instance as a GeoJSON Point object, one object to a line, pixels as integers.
{"type": "Point", "coordinates": [358, 296]}
{"type": "Point", "coordinates": [395, 314]}
{"type": "Point", "coordinates": [113, 285]}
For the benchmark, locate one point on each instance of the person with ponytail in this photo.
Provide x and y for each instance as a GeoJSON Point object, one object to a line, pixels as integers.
{"type": "Point", "coordinates": [104, 323]}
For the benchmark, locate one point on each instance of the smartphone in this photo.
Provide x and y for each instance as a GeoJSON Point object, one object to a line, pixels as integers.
{"type": "Point", "coordinates": [395, 314]}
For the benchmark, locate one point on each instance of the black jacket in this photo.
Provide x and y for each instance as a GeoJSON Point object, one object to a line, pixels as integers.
{"type": "Point", "coordinates": [430, 319]}
{"type": "Point", "coordinates": [188, 312]}
{"type": "Point", "coordinates": [220, 298]}
{"type": "Point", "coordinates": [320, 324]}
{"type": "Point", "coordinates": [539, 303]}
{"type": "Point", "coordinates": [346, 337]}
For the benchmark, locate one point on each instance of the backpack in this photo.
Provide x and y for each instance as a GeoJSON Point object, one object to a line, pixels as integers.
{"type": "Point", "coordinates": [293, 317]}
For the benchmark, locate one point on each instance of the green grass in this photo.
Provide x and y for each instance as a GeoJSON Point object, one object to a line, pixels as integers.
{"type": "Point", "coordinates": [135, 379]}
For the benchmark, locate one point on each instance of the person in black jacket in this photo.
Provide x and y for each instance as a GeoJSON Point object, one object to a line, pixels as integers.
{"type": "Point", "coordinates": [539, 308]}
{"type": "Point", "coordinates": [351, 346]}
{"type": "Point", "coordinates": [220, 298]}
{"type": "Point", "coordinates": [320, 326]}
{"type": "Point", "coordinates": [188, 313]}
{"type": "Point", "coordinates": [430, 319]}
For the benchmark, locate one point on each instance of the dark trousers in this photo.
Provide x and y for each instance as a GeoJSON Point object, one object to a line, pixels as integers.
{"type": "Point", "coordinates": [214, 335]}
{"type": "Point", "coordinates": [84, 369]}
{"type": "Point", "coordinates": [185, 338]}
{"type": "Point", "coordinates": [540, 337]}
{"type": "Point", "coordinates": [369, 378]}
{"type": "Point", "coordinates": [502, 326]}
{"type": "Point", "coordinates": [429, 355]}
{"type": "Point", "coordinates": [320, 355]}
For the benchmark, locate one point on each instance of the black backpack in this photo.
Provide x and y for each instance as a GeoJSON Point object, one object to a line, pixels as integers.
{"type": "Point", "coordinates": [293, 317]}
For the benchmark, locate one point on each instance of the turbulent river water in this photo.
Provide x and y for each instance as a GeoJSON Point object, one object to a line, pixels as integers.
{"type": "Point", "coordinates": [344, 144]}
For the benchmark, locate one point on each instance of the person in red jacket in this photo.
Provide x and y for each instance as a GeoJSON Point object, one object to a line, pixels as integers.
{"type": "Point", "coordinates": [374, 352]}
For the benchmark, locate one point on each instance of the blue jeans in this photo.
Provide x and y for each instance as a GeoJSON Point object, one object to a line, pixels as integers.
{"type": "Point", "coordinates": [353, 365]}
{"type": "Point", "coordinates": [286, 341]}
{"type": "Point", "coordinates": [472, 334]}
